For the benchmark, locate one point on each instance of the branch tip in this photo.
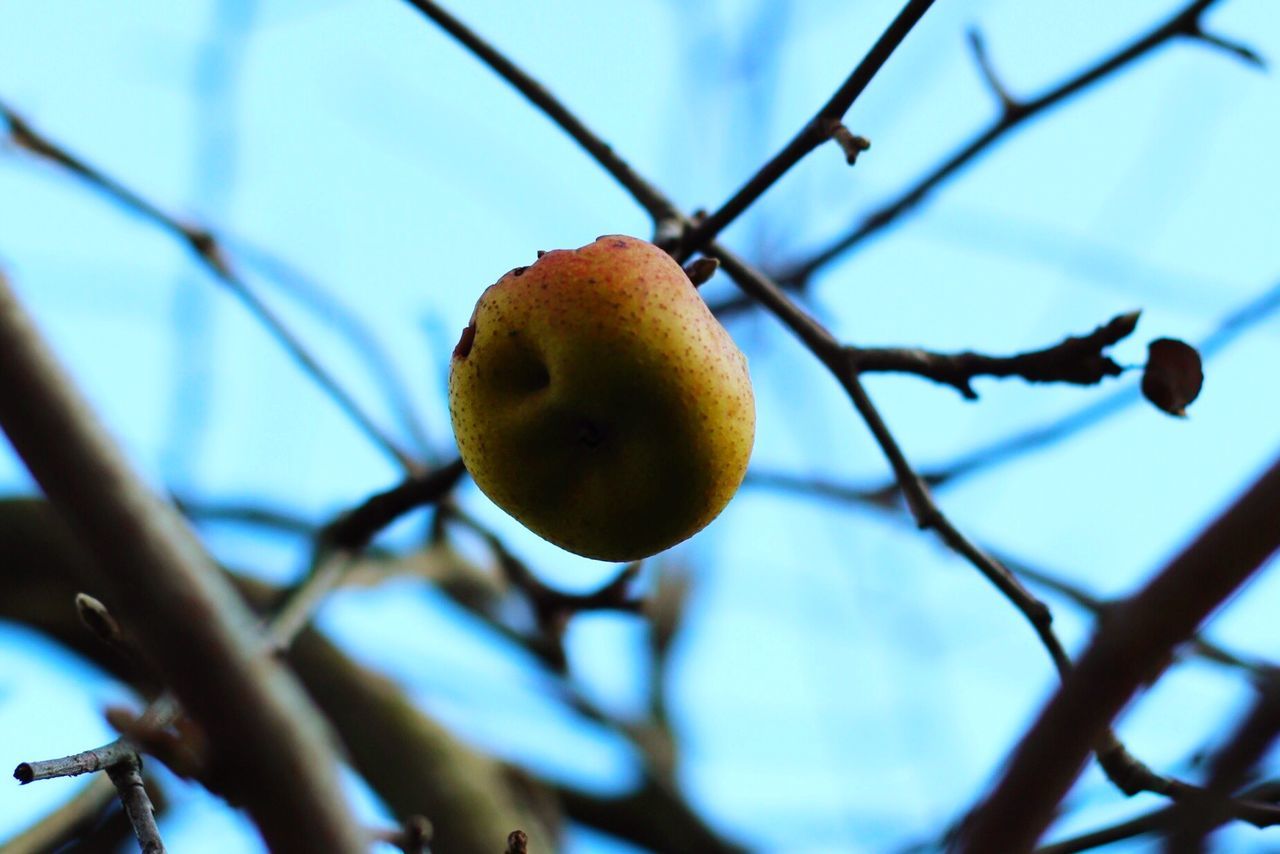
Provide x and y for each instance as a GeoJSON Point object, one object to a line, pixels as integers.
{"type": "Point", "coordinates": [978, 46]}
{"type": "Point", "coordinates": [701, 271]}
{"type": "Point", "coordinates": [1239, 50]}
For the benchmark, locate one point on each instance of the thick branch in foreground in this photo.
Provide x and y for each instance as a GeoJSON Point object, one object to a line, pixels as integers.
{"type": "Point", "coordinates": [1128, 651]}
{"type": "Point", "coordinates": [1077, 360]}
{"type": "Point", "coordinates": [185, 615]}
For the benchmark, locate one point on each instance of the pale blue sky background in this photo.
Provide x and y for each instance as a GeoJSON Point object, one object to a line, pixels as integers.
{"type": "Point", "coordinates": [842, 683]}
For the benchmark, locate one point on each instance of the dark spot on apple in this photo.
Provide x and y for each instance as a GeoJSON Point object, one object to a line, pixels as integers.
{"type": "Point", "coordinates": [463, 348]}
{"type": "Point", "coordinates": [618, 244]}
{"type": "Point", "coordinates": [518, 271]}
{"type": "Point", "coordinates": [590, 434]}
{"type": "Point", "coordinates": [541, 376]}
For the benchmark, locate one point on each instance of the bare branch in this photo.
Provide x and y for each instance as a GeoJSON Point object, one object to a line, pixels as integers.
{"type": "Point", "coordinates": [813, 134]}
{"type": "Point", "coordinates": [1077, 360]}
{"type": "Point", "coordinates": [1128, 651]}
{"type": "Point", "coordinates": [1183, 23]}
{"type": "Point", "coordinates": [184, 613]}
{"type": "Point", "coordinates": [553, 608]}
{"type": "Point", "coordinates": [126, 776]}
{"type": "Point", "coordinates": [210, 252]}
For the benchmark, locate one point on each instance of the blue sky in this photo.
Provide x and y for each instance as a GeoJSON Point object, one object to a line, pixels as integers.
{"type": "Point", "coordinates": [841, 682]}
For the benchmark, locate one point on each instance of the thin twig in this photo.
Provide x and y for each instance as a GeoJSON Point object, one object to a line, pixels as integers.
{"type": "Point", "coordinates": [302, 287]}
{"type": "Point", "coordinates": [296, 608]}
{"type": "Point", "coordinates": [1184, 23]}
{"type": "Point", "coordinates": [126, 776]}
{"type": "Point", "coordinates": [210, 252]}
{"type": "Point", "coordinates": [653, 201]}
{"type": "Point", "coordinates": [818, 129]}
{"type": "Point", "coordinates": [353, 530]}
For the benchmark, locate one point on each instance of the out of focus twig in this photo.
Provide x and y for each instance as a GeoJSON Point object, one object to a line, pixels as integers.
{"type": "Point", "coordinates": [209, 250]}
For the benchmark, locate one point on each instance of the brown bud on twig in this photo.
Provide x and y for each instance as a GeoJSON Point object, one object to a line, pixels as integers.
{"type": "Point", "coordinates": [850, 143]}
{"type": "Point", "coordinates": [701, 271]}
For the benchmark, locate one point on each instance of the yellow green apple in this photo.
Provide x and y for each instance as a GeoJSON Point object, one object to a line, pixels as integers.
{"type": "Point", "coordinates": [596, 399]}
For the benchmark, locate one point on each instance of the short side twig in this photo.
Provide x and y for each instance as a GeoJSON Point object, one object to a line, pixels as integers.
{"type": "Point", "coordinates": [1078, 360]}
{"type": "Point", "coordinates": [126, 776]}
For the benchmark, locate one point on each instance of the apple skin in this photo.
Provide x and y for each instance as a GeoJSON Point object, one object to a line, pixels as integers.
{"type": "Point", "coordinates": [596, 399]}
